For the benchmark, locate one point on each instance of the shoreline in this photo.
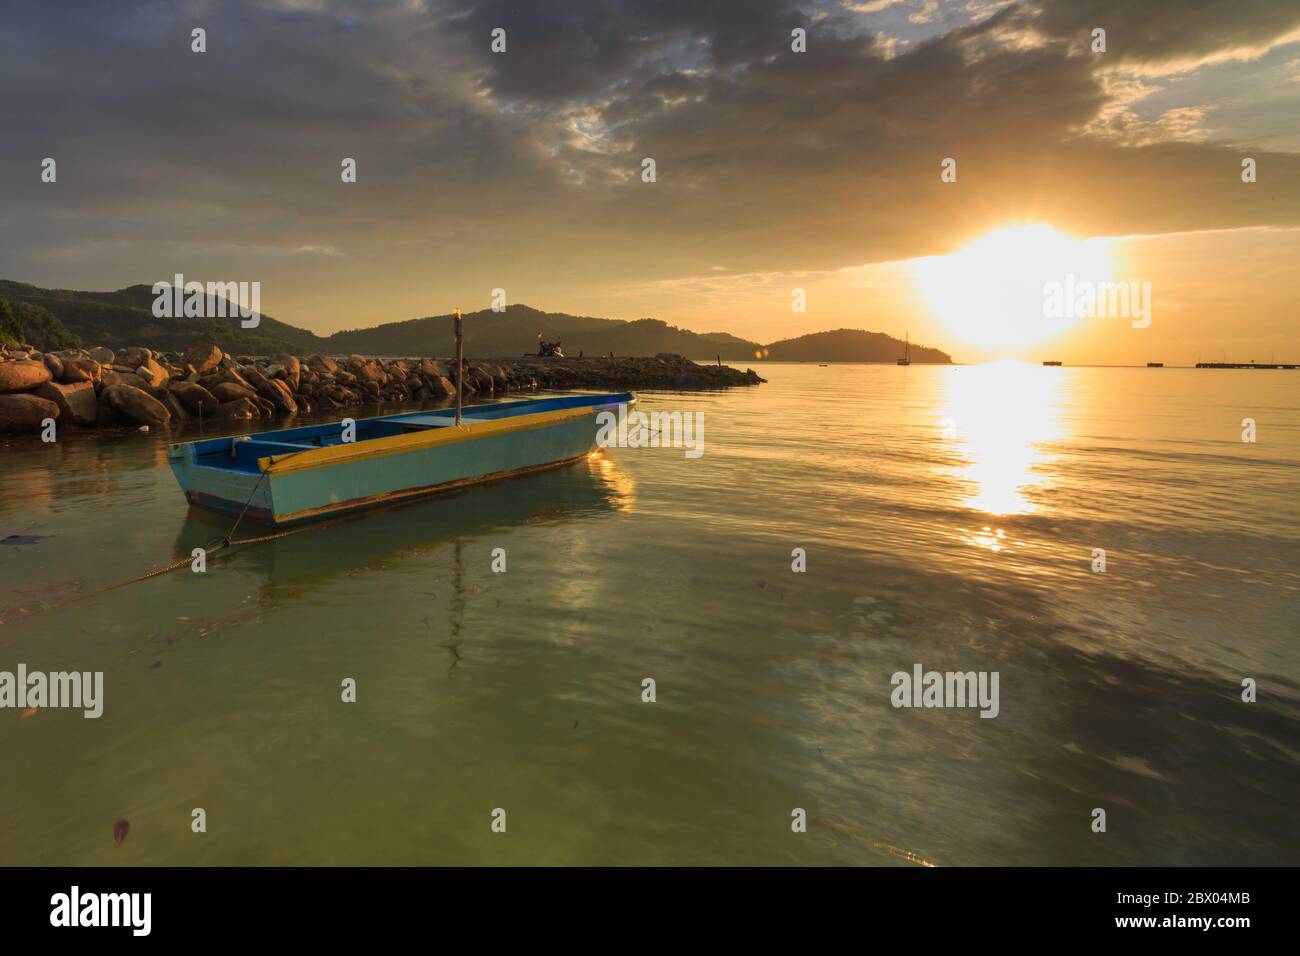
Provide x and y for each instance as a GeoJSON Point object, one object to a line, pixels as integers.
{"type": "Point", "coordinates": [136, 387]}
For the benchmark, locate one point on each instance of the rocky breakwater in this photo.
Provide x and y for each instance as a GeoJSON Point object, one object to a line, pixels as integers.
{"type": "Point", "coordinates": [101, 387]}
{"type": "Point", "coordinates": [664, 371]}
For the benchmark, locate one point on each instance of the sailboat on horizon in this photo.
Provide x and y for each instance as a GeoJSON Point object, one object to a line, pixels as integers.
{"type": "Point", "coordinates": [906, 358]}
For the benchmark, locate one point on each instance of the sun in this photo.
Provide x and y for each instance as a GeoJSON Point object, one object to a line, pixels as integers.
{"type": "Point", "coordinates": [992, 292]}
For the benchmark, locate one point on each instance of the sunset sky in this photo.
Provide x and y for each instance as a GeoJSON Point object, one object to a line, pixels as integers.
{"type": "Point", "coordinates": [775, 169]}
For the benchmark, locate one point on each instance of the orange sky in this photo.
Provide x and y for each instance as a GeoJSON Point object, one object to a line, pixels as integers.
{"type": "Point", "coordinates": [775, 169]}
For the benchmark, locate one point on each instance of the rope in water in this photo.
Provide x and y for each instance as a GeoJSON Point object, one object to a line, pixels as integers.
{"type": "Point", "coordinates": [214, 546]}
{"type": "Point", "coordinates": [211, 547]}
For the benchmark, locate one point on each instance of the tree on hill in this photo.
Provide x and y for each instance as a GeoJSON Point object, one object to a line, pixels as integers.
{"type": "Point", "coordinates": [23, 323]}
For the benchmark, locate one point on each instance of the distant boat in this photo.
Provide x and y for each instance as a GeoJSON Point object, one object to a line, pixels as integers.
{"type": "Point", "coordinates": [1155, 364]}
{"type": "Point", "coordinates": [822, 365]}
{"type": "Point", "coordinates": [907, 351]}
{"type": "Point", "coordinates": [298, 474]}
{"type": "Point", "coordinates": [1051, 363]}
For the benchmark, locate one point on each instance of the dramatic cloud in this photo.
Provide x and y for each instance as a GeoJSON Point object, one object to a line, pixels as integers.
{"type": "Point", "coordinates": [522, 169]}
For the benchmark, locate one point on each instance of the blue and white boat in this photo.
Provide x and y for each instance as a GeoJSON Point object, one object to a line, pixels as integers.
{"type": "Point", "coordinates": [299, 474]}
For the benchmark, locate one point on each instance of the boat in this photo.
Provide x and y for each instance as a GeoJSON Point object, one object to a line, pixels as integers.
{"type": "Point", "coordinates": [299, 474]}
{"type": "Point", "coordinates": [1051, 363]}
{"type": "Point", "coordinates": [906, 358]}
{"type": "Point", "coordinates": [1155, 364]}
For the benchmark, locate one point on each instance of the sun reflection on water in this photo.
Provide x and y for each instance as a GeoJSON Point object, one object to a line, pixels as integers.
{"type": "Point", "coordinates": [620, 486]}
{"type": "Point", "coordinates": [1002, 415]}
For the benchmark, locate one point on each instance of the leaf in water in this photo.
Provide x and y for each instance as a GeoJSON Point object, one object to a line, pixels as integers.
{"type": "Point", "coordinates": [120, 830]}
{"type": "Point", "coordinates": [27, 712]}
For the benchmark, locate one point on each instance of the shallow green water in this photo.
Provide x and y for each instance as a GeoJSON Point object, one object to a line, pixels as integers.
{"type": "Point", "coordinates": [949, 517]}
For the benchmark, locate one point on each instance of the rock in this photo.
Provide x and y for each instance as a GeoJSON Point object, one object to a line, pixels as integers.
{"type": "Point", "coordinates": [153, 373]}
{"type": "Point", "coordinates": [22, 376]}
{"type": "Point", "coordinates": [80, 370]}
{"type": "Point", "coordinates": [111, 376]}
{"type": "Point", "coordinates": [203, 358]}
{"type": "Point", "coordinates": [240, 408]}
{"type": "Point", "coordinates": [226, 392]}
{"type": "Point", "coordinates": [136, 404]}
{"type": "Point", "coordinates": [103, 356]}
{"type": "Point", "coordinates": [174, 407]}
{"type": "Point", "coordinates": [482, 379]}
{"type": "Point", "coordinates": [55, 365]}
{"type": "Point", "coordinates": [25, 413]}
{"type": "Point", "coordinates": [133, 358]}
{"type": "Point", "coordinates": [230, 375]}
{"type": "Point", "coordinates": [372, 373]}
{"type": "Point", "coordinates": [272, 390]}
{"type": "Point", "coordinates": [196, 399]}
{"type": "Point", "coordinates": [107, 417]}
{"type": "Point", "coordinates": [76, 402]}
{"type": "Point", "coordinates": [322, 363]}
{"type": "Point", "coordinates": [292, 368]}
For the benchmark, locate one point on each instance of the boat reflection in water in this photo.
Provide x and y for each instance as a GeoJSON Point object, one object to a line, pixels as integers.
{"type": "Point", "coordinates": [590, 489]}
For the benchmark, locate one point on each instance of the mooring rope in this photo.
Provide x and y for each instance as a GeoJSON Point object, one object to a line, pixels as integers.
{"type": "Point", "coordinates": [213, 546]}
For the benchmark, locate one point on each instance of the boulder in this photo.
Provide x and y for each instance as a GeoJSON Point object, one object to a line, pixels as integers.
{"type": "Point", "coordinates": [153, 373]}
{"type": "Point", "coordinates": [292, 369]}
{"type": "Point", "coordinates": [229, 376]}
{"type": "Point", "coordinates": [111, 376]}
{"type": "Point", "coordinates": [134, 357]}
{"type": "Point", "coordinates": [76, 402]}
{"type": "Point", "coordinates": [80, 370]}
{"type": "Point", "coordinates": [55, 365]}
{"type": "Point", "coordinates": [22, 376]}
{"type": "Point", "coordinates": [136, 404]}
{"type": "Point", "coordinates": [103, 356]}
{"type": "Point", "coordinates": [273, 390]}
{"type": "Point", "coordinates": [24, 413]}
{"type": "Point", "coordinates": [174, 407]}
{"type": "Point", "coordinates": [107, 417]}
{"type": "Point", "coordinates": [196, 398]}
{"type": "Point", "coordinates": [369, 372]}
{"type": "Point", "coordinates": [203, 358]}
{"type": "Point", "coordinates": [440, 387]}
{"type": "Point", "coordinates": [240, 408]}
{"type": "Point", "coordinates": [322, 363]}
{"type": "Point", "coordinates": [226, 392]}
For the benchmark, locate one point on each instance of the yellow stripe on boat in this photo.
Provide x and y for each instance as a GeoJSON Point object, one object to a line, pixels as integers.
{"type": "Point", "coordinates": [400, 444]}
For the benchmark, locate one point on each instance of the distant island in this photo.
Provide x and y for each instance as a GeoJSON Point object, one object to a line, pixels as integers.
{"type": "Point", "coordinates": [62, 318]}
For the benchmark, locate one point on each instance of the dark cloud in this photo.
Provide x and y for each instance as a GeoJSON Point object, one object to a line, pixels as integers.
{"type": "Point", "coordinates": [1154, 31]}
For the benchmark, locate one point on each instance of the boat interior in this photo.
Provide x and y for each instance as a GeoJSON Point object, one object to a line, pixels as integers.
{"type": "Point", "coordinates": [241, 453]}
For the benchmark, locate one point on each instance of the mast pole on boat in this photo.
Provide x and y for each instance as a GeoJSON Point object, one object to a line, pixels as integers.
{"type": "Point", "coordinates": [460, 362]}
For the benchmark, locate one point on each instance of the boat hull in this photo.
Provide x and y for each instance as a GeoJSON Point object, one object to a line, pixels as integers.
{"type": "Point", "coordinates": [290, 485]}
